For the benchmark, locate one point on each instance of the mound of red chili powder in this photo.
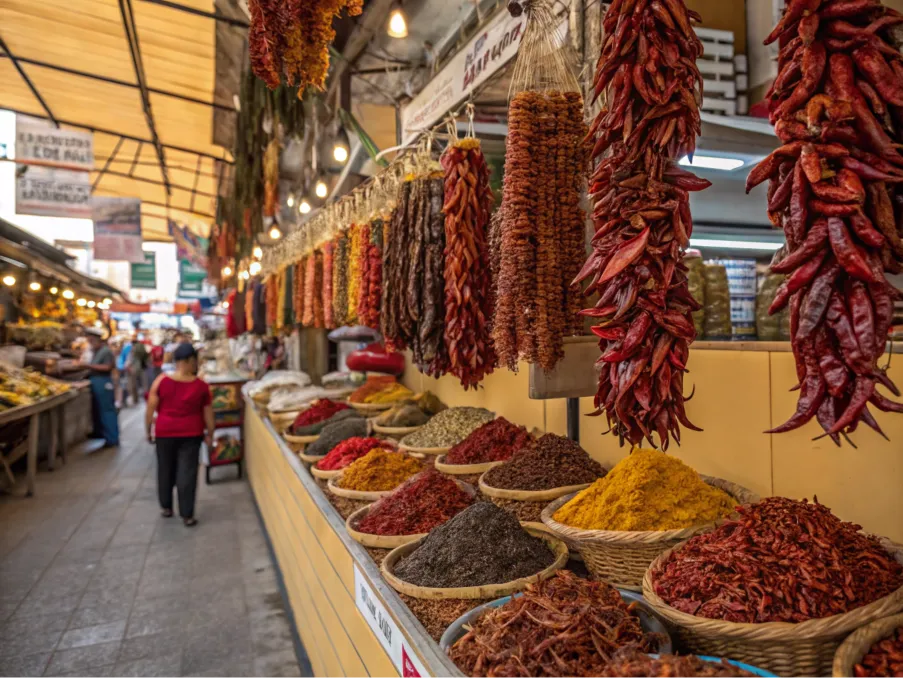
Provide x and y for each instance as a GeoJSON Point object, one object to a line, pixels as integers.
{"type": "Point", "coordinates": [321, 410]}
{"type": "Point", "coordinates": [348, 451]}
{"type": "Point", "coordinates": [495, 441]}
{"type": "Point", "coordinates": [782, 561]}
{"type": "Point", "coordinates": [425, 501]}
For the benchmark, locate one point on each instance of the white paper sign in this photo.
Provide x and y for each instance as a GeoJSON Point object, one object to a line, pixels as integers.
{"type": "Point", "coordinates": [385, 629]}
{"type": "Point", "coordinates": [41, 144]}
{"type": "Point", "coordinates": [47, 192]}
{"type": "Point", "coordinates": [484, 55]}
{"type": "Point", "coordinates": [117, 229]}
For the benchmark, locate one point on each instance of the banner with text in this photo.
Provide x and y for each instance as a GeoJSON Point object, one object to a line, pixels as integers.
{"type": "Point", "coordinates": [484, 55]}
{"type": "Point", "coordinates": [117, 229]}
{"type": "Point", "coordinates": [46, 192]}
{"type": "Point", "coordinates": [38, 143]}
{"type": "Point", "coordinates": [144, 275]}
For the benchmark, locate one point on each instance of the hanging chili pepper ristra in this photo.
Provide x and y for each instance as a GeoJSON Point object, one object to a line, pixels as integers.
{"type": "Point", "coordinates": [837, 106]}
{"type": "Point", "coordinates": [651, 89]}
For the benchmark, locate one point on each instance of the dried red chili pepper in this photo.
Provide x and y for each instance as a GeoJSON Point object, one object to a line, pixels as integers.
{"type": "Point", "coordinates": [642, 217]}
{"type": "Point", "coordinates": [840, 218]}
{"type": "Point", "coordinates": [884, 658]}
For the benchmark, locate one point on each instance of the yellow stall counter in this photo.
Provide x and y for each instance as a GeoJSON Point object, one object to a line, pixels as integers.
{"type": "Point", "coordinates": [350, 621]}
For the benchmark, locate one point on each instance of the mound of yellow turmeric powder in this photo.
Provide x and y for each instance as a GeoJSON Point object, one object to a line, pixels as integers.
{"type": "Point", "coordinates": [647, 491]}
{"type": "Point", "coordinates": [379, 470]}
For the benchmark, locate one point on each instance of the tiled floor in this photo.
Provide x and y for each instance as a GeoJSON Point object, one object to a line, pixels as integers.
{"type": "Point", "coordinates": [94, 582]}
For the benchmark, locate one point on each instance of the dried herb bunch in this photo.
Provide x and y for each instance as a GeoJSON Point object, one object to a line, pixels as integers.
{"type": "Point", "coordinates": [650, 118]}
{"type": "Point", "coordinates": [290, 39]}
{"type": "Point", "coordinates": [468, 281]}
{"type": "Point", "coordinates": [371, 273]}
{"type": "Point", "coordinates": [837, 105]}
{"type": "Point", "coordinates": [564, 626]}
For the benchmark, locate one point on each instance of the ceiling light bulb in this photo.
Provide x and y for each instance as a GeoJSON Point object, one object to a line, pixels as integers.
{"type": "Point", "coordinates": [398, 25]}
{"type": "Point", "coordinates": [92, 304]}
{"type": "Point", "coordinates": [9, 280]}
{"type": "Point", "coordinates": [291, 201]}
{"type": "Point", "coordinates": [107, 301]}
{"type": "Point", "coordinates": [321, 189]}
{"type": "Point", "coordinates": [68, 294]}
{"type": "Point", "coordinates": [35, 286]}
{"type": "Point", "coordinates": [227, 271]}
{"type": "Point", "coordinates": [713, 162]}
{"type": "Point", "coordinates": [340, 153]}
{"type": "Point", "coordinates": [304, 207]}
{"type": "Point", "coordinates": [254, 268]}
{"type": "Point", "coordinates": [258, 252]}
{"type": "Point", "coordinates": [225, 304]}
{"type": "Point", "coordinates": [275, 233]}
{"type": "Point", "coordinates": [54, 290]}
{"type": "Point", "coordinates": [82, 302]}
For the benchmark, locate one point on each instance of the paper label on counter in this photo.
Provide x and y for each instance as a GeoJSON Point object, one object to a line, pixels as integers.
{"type": "Point", "coordinates": [385, 629]}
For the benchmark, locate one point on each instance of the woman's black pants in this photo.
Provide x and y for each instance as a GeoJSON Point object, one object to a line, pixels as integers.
{"type": "Point", "coordinates": [177, 466]}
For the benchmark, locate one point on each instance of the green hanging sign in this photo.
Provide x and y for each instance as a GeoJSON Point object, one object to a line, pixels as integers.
{"type": "Point", "coordinates": [144, 275]}
{"type": "Point", "coordinates": [191, 279]}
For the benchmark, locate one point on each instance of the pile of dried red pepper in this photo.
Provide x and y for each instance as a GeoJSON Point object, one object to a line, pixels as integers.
{"type": "Point", "coordinates": [427, 500]}
{"type": "Point", "coordinates": [348, 451]}
{"type": "Point", "coordinates": [564, 626]}
{"type": "Point", "coordinates": [650, 87]}
{"type": "Point", "coordinates": [837, 105]}
{"type": "Point", "coordinates": [291, 38]}
{"type": "Point", "coordinates": [321, 410]}
{"type": "Point", "coordinates": [468, 282]}
{"type": "Point", "coordinates": [495, 441]}
{"type": "Point", "coordinates": [782, 560]}
{"type": "Point", "coordinates": [884, 658]}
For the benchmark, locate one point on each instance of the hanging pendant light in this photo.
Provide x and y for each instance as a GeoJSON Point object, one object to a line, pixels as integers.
{"type": "Point", "coordinates": [398, 24]}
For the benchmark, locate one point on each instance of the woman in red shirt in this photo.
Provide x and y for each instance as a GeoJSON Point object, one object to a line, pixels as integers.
{"type": "Point", "coordinates": [184, 412]}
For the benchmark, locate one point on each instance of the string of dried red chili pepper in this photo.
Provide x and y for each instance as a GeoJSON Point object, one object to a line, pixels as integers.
{"type": "Point", "coordinates": [642, 220]}
{"type": "Point", "coordinates": [837, 105]}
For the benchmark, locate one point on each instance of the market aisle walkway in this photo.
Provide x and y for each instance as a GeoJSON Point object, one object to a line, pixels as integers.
{"type": "Point", "coordinates": [94, 582]}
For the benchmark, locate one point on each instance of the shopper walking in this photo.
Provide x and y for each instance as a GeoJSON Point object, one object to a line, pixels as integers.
{"type": "Point", "coordinates": [123, 366]}
{"type": "Point", "coordinates": [184, 418]}
{"type": "Point", "coordinates": [103, 394]}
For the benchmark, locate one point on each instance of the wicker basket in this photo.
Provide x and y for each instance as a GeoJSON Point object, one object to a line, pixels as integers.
{"type": "Point", "coordinates": [464, 469]}
{"type": "Point", "coordinates": [395, 430]}
{"type": "Point", "coordinates": [858, 643]}
{"type": "Point", "coordinates": [803, 649]}
{"type": "Point", "coordinates": [557, 546]}
{"type": "Point", "coordinates": [300, 440]}
{"type": "Point", "coordinates": [284, 420]}
{"type": "Point", "coordinates": [310, 458]}
{"type": "Point", "coordinates": [529, 495]}
{"type": "Point", "coordinates": [622, 558]}
{"type": "Point", "coordinates": [367, 408]}
{"type": "Point", "coordinates": [423, 450]}
{"type": "Point", "coordinates": [323, 475]}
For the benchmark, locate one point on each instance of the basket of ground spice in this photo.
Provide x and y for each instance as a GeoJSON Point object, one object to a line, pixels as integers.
{"type": "Point", "coordinates": [779, 587]}
{"type": "Point", "coordinates": [374, 475]}
{"type": "Point", "coordinates": [647, 503]}
{"type": "Point", "coordinates": [563, 626]}
{"type": "Point", "coordinates": [410, 511]}
{"type": "Point", "coordinates": [483, 552]}
{"type": "Point", "coordinates": [876, 649]}
{"type": "Point", "coordinates": [334, 433]}
{"type": "Point", "coordinates": [446, 429]}
{"type": "Point", "coordinates": [307, 425]}
{"type": "Point", "coordinates": [488, 446]}
{"type": "Point", "coordinates": [408, 416]}
{"type": "Point", "coordinates": [344, 454]}
{"type": "Point", "coordinates": [550, 468]}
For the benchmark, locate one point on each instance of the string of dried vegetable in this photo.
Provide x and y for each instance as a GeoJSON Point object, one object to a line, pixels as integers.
{"type": "Point", "coordinates": [272, 300]}
{"type": "Point", "coordinates": [340, 281]}
{"type": "Point", "coordinates": [298, 295]}
{"type": "Point", "coordinates": [837, 105]}
{"type": "Point", "coordinates": [355, 238]}
{"type": "Point", "coordinates": [371, 281]}
{"type": "Point", "coordinates": [319, 321]}
{"type": "Point", "coordinates": [309, 290]}
{"type": "Point", "coordinates": [326, 297]}
{"type": "Point", "coordinates": [271, 178]}
{"type": "Point", "coordinates": [290, 39]}
{"type": "Point", "coordinates": [468, 201]}
{"type": "Point", "coordinates": [650, 119]}
{"type": "Point", "coordinates": [541, 229]}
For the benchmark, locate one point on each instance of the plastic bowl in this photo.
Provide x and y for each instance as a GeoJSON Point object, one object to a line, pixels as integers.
{"type": "Point", "coordinates": [648, 620]}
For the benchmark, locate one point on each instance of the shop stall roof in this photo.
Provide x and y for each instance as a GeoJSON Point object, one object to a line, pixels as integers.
{"type": "Point", "coordinates": [140, 74]}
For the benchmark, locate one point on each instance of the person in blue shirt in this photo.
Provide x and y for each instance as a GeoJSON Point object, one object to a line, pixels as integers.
{"type": "Point", "coordinates": [123, 365]}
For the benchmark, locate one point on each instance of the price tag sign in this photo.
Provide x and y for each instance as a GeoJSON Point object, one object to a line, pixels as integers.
{"type": "Point", "coordinates": [385, 629]}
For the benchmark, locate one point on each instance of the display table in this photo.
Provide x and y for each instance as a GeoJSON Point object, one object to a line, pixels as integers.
{"type": "Point", "coordinates": [54, 406]}
{"type": "Point", "coordinates": [329, 577]}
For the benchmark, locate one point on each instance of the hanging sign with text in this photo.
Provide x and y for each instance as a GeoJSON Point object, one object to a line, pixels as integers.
{"type": "Point", "coordinates": [144, 275]}
{"type": "Point", "coordinates": [46, 192]}
{"type": "Point", "coordinates": [38, 143]}
{"type": "Point", "coordinates": [385, 629]}
{"type": "Point", "coordinates": [117, 229]}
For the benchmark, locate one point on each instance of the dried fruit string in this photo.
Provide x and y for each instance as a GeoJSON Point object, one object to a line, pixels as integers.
{"type": "Point", "coordinates": [837, 105]}
{"type": "Point", "coordinates": [641, 215]}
